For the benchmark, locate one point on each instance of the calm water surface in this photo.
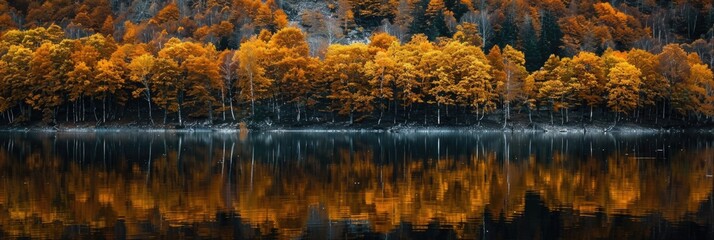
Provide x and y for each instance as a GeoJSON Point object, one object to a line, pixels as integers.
{"type": "Point", "coordinates": [356, 185]}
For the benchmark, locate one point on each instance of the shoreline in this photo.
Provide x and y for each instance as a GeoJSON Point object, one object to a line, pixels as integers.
{"type": "Point", "coordinates": [363, 128]}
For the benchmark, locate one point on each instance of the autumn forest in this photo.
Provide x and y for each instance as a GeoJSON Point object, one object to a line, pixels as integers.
{"type": "Point", "coordinates": [374, 61]}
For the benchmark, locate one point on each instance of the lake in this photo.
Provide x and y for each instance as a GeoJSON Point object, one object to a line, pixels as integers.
{"type": "Point", "coordinates": [356, 185]}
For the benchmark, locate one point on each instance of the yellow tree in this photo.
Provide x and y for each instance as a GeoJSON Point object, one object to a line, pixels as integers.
{"type": "Point", "coordinates": [104, 46]}
{"type": "Point", "coordinates": [701, 86]}
{"type": "Point", "coordinates": [288, 54]}
{"type": "Point", "coordinates": [514, 73]}
{"type": "Point", "coordinates": [468, 71]}
{"type": "Point", "coordinates": [589, 73]}
{"type": "Point", "coordinates": [166, 75]}
{"type": "Point", "coordinates": [535, 81]}
{"type": "Point", "coordinates": [381, 42]}
{"type": "Point", "coordinates": [47, 89]}
{"type": "Point", "coordinates": [654, 87]}
{"type": "Point", "coordinates": [440, 85]}
{"type": "Point", "coordinates": [552, 90]}
{"type": "Point", "coordinates": [229, 76]}
{"type": "Point", "coordinates": [204, 80]}
{"type": "Point", "coordinates": [530, 94]}
{"type": "Point", "coordinates": [108, 81]}
{"type": "Point", "coordinates": [252, 84]}
{"type": "Point", "coordinates": [349, 87]}
{"type": "Point", "coordinates": [298, 83]}
{"type": "Point", "coordinates": [62, 65]}
{"type": "Point", "coordinates": [169, 13]}
{"type": "Point", "coordinates": [468, 33]}
{"type": "Point", "coordinates": [79, 80]}
{"type": "Point", "coordinates": [495, 59]}
{"type": "Point", "coordinates": [15, 81]}
{"type": "Point", "coordinates": [5, 92]}
{"type": "Point", "coordinates": [674, 67]}
{"type": "Point", "coordinates": [108, 26]}
{"type": "Point", "coordinates": [180, 52]}
{"type": "Point", "coordinates": [264, 17]}
{"type": "Point", "coordinates": [569, 75]}
{"type": "Point", "coordinates": [84, 58]}
{"type": "Point", "coordinates": [623, 88]}
{"type": "Point", "coordinates": [121, 58]}
{"type": "Point", "coordinates": [410, 83]}
{"type": "Point", "coordinates": [382, 70]}
{"type": "Point", "coordinates": [140, 69]}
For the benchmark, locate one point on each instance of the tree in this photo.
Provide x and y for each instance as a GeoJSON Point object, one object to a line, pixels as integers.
{"type": "Point", "coordinates": [15, 81]}
{"type": "Point", "coordinates": [653, 90]}
{"type": "Point", "coordinates": [47, 89]}
{"type": "Point", "coordinates": [515, 71]}
{"type": "Point", "coordinates": [441, 85]}
{"type": "Point", "coordinates": [169, 13]}
{"type": "Point", "coordinates": [624, 29]}
{"type": "Point", "coordinates": [412, 84]}
{"type": "Point", "coordinates": [108, 81]}
{"type": "Point", "coordinates": [6, 22]}
{"type": "Point", "coordinates": [381, 72]}
{"type": "Point", "coordinates": [289, 66]}
{"type": "Point", "coordinates": [253, 83]}
{"type": "Point", "coordinates": [280, 19]}
{"type": "Point", "coordinates": [554, 85]}
{"type": "Point", "coordinates": [701, 86]}
{"type": "Point", "coordinates": [674, 67]}
{"type": "Point", "coordinates": [349, 87]}
{"type": "Point", "coordinates": [381, 42]}
{"type": "Point", "coordinates": [581, 34]}
{"type": "Point", "coordinates": [108, 26]}
{"type": "Point", "coordinates": [78, 82]}
{"type": "Point", "coordinates": [167, 86]}
{"type": "Point", "coordinates": [530, 94]}
{"type": "Point", "coordinates": [470, 73]}
{"type": "Point", "coordinates": [264, 17]}
{"type": "Point", "coordinates": [589, 73]}
{"type": "Point", "coordinates": [140, 69]}
{"type": "Point", "coordinates": [180, 52]}
{"type": "Point", "coordinates": [204, 81]}
{"type": "Point", "coordinates": [228, 72]}
{"type": "Point", "coordinates": [468, 33]}
{"type": "Point", "coordinates": [623, 88]}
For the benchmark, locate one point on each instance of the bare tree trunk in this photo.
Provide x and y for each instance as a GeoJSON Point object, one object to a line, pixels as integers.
{"type": "Point", "coordinates": [210, 112]}
{"type": "Point", "coordinates": [233, 115]}
{"type": "Point", "coordinates": [252, 96]}
{"type": "Point", "coordinates": [506, 109]}
{"type": "Point", "coordinates": [298, 113]}
{"type": "Point", "coordinates": [223, 104]}
{"type": "Point", "coordinates": [438, 113]}
{"type": "Point", "coordinates": [104, 109]}
{"type": "Point", "coordinates": [148, 100]}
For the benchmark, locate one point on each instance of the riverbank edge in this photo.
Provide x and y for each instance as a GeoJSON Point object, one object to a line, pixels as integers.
{"type": "Point", "coordinates": [356, 128]}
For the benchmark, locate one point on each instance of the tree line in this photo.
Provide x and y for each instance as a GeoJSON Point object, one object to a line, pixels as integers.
{"type": "Point", "coordinates": [272, 76]}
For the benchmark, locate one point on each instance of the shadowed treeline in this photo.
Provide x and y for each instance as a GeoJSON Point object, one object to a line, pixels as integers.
{"type": "Point", "coordinates": [366, 185]}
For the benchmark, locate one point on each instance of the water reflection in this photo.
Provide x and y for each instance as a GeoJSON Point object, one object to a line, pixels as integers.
{"type": "Point", "coordinates": [288, 185]}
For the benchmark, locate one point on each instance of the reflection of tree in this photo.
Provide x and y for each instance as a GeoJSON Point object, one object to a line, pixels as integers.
{"type": "Point", "coordinates": [283, 184]}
